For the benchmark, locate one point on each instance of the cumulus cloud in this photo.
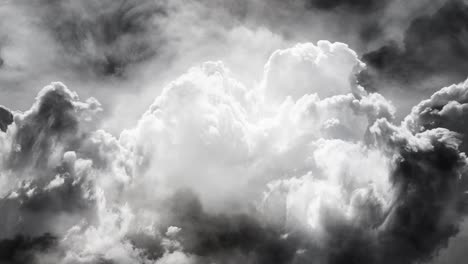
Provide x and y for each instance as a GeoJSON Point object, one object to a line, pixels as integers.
{"type": "Point", "coordinates": [303, 166]}
{"type": "Point", "coordinates": [45, 187]}
{"type": "Point", "coordinates": [283, 152]}
{"type": "Point", "coordinates": [306, 67]}
{"type": "Point", "coordinates": [446, 108]}
{"type": "Point", "coordinates": [208, 116]}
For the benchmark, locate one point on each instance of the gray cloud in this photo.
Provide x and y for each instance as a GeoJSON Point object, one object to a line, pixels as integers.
{"type": "Point", "coordinates": [229, 237]}
{"type": "Point", "coordinates": [433, 53]}
{"type": "Point", "coordinates": [50, 192]}
{"type": "Point", "coordinates": [6, 118]}
{"type": "Point", "coordinates": [103, 37]}
{"type": "Point", "coordinates": [363, 6]}
{"type": "Point", "coordinates": [430, 182]}
{"type": "Point", "coordinates": [23, 249]}
{"type": "Point", "coordinates": [56, 120]}
{"type": "Point", "coordinates": [446, 108]}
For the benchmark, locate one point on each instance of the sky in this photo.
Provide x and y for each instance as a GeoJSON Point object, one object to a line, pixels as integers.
{"type": "Point", "coordinates": [249, 131]}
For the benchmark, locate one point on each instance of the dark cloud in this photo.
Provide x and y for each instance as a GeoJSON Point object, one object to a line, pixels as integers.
{"type": "Point", "coordinates": [46, 206]}
{"type": "Point", "coordinates": [6, 118]}
{"type": "Point", "coordinates": [228, 237]}
{"type": "Point", "coordinates": [23, 249]}
{"type": "Point", "coordinates": [447, 108]}
{"type": "Point", "coordinates": [362, 6]}
{"type": "Point", "coordinates": [429, 177]}
{"type": "Point", "coordinates": [215, 237]}
{"type": "Point", "coordinates": [104, 37]}
{"type": "Point", "coordinates": [425, 213]}
{"type": "Point", "coordinates": [434, 52]}
{"type": "Point", "coordinates": [150, 245]}
{"type": "Point", "coordinates": [362, 17]}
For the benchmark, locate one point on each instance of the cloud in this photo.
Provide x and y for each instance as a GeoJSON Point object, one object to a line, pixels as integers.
{"type": "Point", "coordinates": [227, 237]}
{"type": "Point", "coordinates": [429, 175]}
{"type": "Point", "coordinates": [404, 210]}
{"type": "Point", "coordinates": [353, 5]}
{"type": "Point", "coordinates": [104, 38]}
{"type": "Point", "coordinates": [208, 116]}
{"type": "Point", "coordinates": [6, 118]}
{"type": "Point", "coordinates": [24, 249]}
{"type": "Point", "coordinates": [127, 50]}
{"type": "Point", "coordinates": [56, 123]}
{"type": "Point", "coordinates": [433, 53]}
{"type": "Point", "coordinates": [295, 162]}
{"type": "Point", "coordinates": [46, 188]}
{"type": "Point", "coordinates": [446, 108]}
{"type": "Point", "coordinates": [306, 68]}
{"type": "Point", "coordinates": [303, 166]}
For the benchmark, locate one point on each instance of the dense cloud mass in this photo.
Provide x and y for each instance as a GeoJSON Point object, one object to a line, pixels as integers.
{"type": "Point", "coordinates": [216, 171]}
{"type": "Point", "coordinates": [228, 132]}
